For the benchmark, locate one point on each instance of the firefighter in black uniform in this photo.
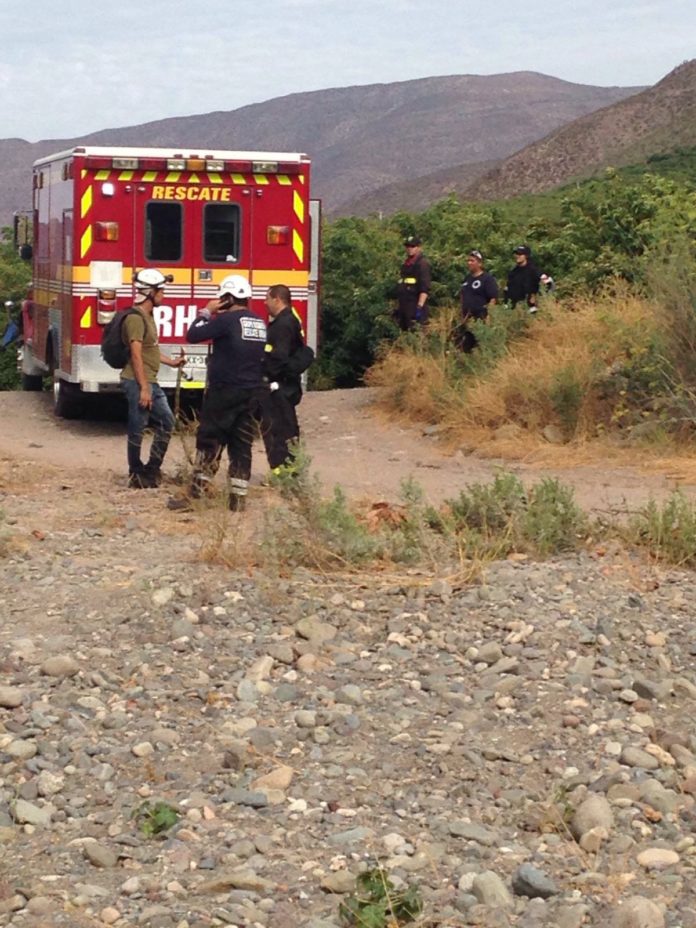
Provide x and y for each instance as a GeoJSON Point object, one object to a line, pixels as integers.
{"type": "Point", "coordinates": [234, 382]}
{"type": "Point", "coordinates": [414, 287]}
{"type": "Point", "coordinates": [523, 281]}
{"type": "Point", "coordinates": [285, 360]}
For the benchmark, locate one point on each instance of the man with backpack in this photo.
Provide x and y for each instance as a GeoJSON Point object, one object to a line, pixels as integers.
{"type": "Point", "coordinates": [146, 399]}
{"type": "Point", "coordinates": [286, 358]}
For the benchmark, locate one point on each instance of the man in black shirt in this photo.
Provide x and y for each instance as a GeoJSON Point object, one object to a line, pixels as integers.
{"type": "Point", "coordinates": [414, 287]}
{"type": "Point", "coordinates": [479, 290]}
{"type": "Point", "coordinates": [234, 382]}
{"type": "Point", "coordinates": [285, 360]}
{"type": "Point", "coordinates": [523, 280]}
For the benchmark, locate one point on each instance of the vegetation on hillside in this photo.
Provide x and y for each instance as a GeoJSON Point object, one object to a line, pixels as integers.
{"type": "Point", "coordinates": [14, 277]}
{"type": "Point", "coordinates": [612, 349]}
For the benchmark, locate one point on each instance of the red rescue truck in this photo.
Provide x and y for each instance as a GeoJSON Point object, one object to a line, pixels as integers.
{"type": "Point", "coordinates": [101, 214]}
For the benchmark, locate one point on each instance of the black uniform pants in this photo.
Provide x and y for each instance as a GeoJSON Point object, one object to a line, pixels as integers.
{"type": "Point", "coordinates": [279, 426]}
{"type": "Point", "coordinates": [408, 315]}
{"type": "Point", "coordinates": [227, 421]}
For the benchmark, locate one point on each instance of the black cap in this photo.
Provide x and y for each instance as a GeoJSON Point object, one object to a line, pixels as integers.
{"type": "Point", "coordinates": [522, 250]}
{"type": "Point", "coordinates": [412, 240]}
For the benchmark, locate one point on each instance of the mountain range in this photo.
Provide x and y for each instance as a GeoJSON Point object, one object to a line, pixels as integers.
{"type": "Point", "coordinates": [405, 142]}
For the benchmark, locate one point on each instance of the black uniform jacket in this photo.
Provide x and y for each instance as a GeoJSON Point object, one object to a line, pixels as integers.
{"type": "Point", "coordinates": [285, 339]}
{"type": "Point", "coordinates": [239, 338]}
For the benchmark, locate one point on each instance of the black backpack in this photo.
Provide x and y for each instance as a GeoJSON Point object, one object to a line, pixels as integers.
{"type": "Point", "coordinates": [113, 349]}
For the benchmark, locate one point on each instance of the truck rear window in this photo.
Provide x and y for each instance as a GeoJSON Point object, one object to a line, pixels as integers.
{"type": "Point", "coordinates": [163, 225]}
{"type": "Point", "coordinates": [221, 233]}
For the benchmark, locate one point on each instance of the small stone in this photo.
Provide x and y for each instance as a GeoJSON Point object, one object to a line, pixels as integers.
{"type": "Point", "coordinates": [657, 858]}
{"type": "Point", "coordinates": [48, 784]}
{"type": "Point", "coordinates": [638, 912]}
{"type": "Point", "coordinates": [260, 669]}
{"type": "Point", "coordinates": [109, 915]}
{"type": "Point", "coordinates": [143, 749]}
{"type": "Point", "coordinates": [305, 718]}
{"type": "Point", "coordinates": [315, 631]}
{"type": "Point", "coordinates": [280, 778]}
{"type": "Point", "coordinates": [636, 757]}
{"type": "Point", "coordinates": [100, 856]}
{"type": "Point", "coordinates": [592, 840]}
{"type": "Point", "coordinates": [490, 890]}
{"type": "Point", "coordinates": [163, 596]}
{"type": "Point", "coordinates": [533, 883]}
{"type": "Point", "coordinates": [61, 665]}
{"type": "Point", "coordinates": [247, 691]}
{"type": "Point", "coordinates": [10, 697]}
{"type": "Point", "coordinates": [341, 881]}
{"type": "Point", "coordinates": [349, 694]}
{"type": "Point", "coordinates": [26, 813]}
{"type": "Point", "coordinates": [472, 832]}
{"type": "Point", "coordinates": [594, 812]}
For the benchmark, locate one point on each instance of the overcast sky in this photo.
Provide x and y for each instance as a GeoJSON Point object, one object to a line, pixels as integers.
{"type": "Point", "coordinates": [73, 67]}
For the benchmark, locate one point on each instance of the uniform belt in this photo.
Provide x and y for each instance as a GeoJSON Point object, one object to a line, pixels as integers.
{"type": "Point", "coordinates": [409, 280]}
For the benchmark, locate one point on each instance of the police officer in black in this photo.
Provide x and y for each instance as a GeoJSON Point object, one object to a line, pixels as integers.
{"type": "Point", "coordinates": [414, 287]}
{"type": "Point", "coordinates": [285, 360]}
{"type": "Point", "coordinates": [523, 280]}
{"type": "Point", "coordinates": [227, 418]}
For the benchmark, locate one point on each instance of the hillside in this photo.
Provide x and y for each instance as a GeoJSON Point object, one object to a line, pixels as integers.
{"type": "Point", "coordinates": [655, 121]}
{"type": "Point", "coordinates": [360, 138]}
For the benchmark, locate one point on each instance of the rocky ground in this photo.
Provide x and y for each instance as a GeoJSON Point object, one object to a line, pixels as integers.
{"type": "Point", "coordinates": [523, 748]}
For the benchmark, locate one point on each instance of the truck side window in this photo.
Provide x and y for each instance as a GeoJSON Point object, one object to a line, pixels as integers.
{"type": "Point", "coordinates": [163, 225]}
{"type": "Point", "coordinates": [221, 233]}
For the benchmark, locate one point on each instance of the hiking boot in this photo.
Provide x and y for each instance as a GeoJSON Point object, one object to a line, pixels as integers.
{"type": "Point", "coordinates": [237, 503]}
{"type": "Point", "coordinates": [141, 480]}
{"type": "Point", "coordinates": [154, 475]}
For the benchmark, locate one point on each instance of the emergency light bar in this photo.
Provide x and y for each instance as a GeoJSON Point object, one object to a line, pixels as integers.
{"type": "Point", "coordinates": [211, 165]}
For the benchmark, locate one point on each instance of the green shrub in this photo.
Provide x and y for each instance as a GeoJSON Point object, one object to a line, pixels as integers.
{"type": "Point", "coordinates": [668, 530]}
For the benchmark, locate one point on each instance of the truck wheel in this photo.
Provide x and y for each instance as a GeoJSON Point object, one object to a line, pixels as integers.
{"type": "Point", "coordinates": [32, 383]}
{"type": "Point", "coordinates": [68, 402]}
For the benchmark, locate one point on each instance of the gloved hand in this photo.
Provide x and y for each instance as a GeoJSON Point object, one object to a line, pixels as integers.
{"type": "Point", "coordinates": [274, 386]}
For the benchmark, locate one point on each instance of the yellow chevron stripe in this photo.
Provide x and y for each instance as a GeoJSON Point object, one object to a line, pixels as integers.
{"type": "Point", "coordinates": [86, 318]}
{"type": "Point", "coordinates": [102, 175]}
{"type": "Point", "coordinates": [86, 241]}
{"type": "Point", "coordinates": [215, 178]}
{"type": "Point", "coordinates": [298, 205]}
{"type": "Point", "coordinates": [150, 175]}
{"type": "Point", "coordinates": [126, 175]}
{"type": "Point", "coordinates": [83, 172]}
{"type": "Point", "coordinates": [302, 178]}
{"type": "Point", "coordinates": [284, 180]}
{"type": "Point", "coordinates": [237, 178]}
{"type": "Point", "coordinates": [173, 177]}
{"type": "Point", "coordinates": [193, 179]}
{"type": "Point", "coordinates": [86, 201]}
{"type": "Point", "coordinates": [261, 179]}
{"type": "Point", "coordinates": [298, 245]}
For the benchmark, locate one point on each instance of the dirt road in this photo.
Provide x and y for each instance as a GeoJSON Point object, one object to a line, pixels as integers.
{"type": "Point", "coordinates": [349, 441]}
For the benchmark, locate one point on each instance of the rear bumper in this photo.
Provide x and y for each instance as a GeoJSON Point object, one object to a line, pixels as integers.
{"type": "Point", "coordinates": [95, 376]}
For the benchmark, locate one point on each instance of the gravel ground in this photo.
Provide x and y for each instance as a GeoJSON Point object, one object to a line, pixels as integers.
{"type": "Point", "coordinates": [524, 749]}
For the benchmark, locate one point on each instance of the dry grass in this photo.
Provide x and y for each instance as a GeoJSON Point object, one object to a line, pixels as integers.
{"type": "Point", "coordinates": [551, 374]}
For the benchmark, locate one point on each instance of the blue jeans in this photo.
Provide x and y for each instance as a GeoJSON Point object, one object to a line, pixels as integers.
{"type": "Point", "coordinates": [162, 419]}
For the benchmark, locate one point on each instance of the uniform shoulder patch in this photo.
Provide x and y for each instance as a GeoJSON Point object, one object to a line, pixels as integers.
{"type": "Point", "coordinates": [253, 330]}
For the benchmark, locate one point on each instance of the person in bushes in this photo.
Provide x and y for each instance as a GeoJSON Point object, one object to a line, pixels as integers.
{"type": "Point", "coordinates": [479, 292]}
{"type": "Point", "coordinates": [414, 287]}
{"type": "Point", "coordinates": [523, 280]}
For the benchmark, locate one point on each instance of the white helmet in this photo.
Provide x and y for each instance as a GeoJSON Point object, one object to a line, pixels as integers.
{"type": "Point", "coordinates": [237, 286]}
{"type": "Point", "coordinates": [147, 280]}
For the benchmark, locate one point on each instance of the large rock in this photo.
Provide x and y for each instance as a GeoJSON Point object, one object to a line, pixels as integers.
{"type": "Point", "coordinates": [60, 665]}
{"type": "Point", "coordinates": [10, 697]}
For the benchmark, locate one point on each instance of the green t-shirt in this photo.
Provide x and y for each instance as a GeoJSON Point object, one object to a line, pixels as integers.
{"type": "Point", "coordinates": [140, 327]}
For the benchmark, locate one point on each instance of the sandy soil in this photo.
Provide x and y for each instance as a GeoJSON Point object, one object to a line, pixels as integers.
{"type": "Point", "coordinates": [349, 441]}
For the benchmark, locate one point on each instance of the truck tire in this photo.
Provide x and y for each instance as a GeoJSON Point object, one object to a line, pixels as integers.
{"type": "Point", "coordinates": [68, 402]}
{"type": "Point", "coordinates": [32, 383]}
